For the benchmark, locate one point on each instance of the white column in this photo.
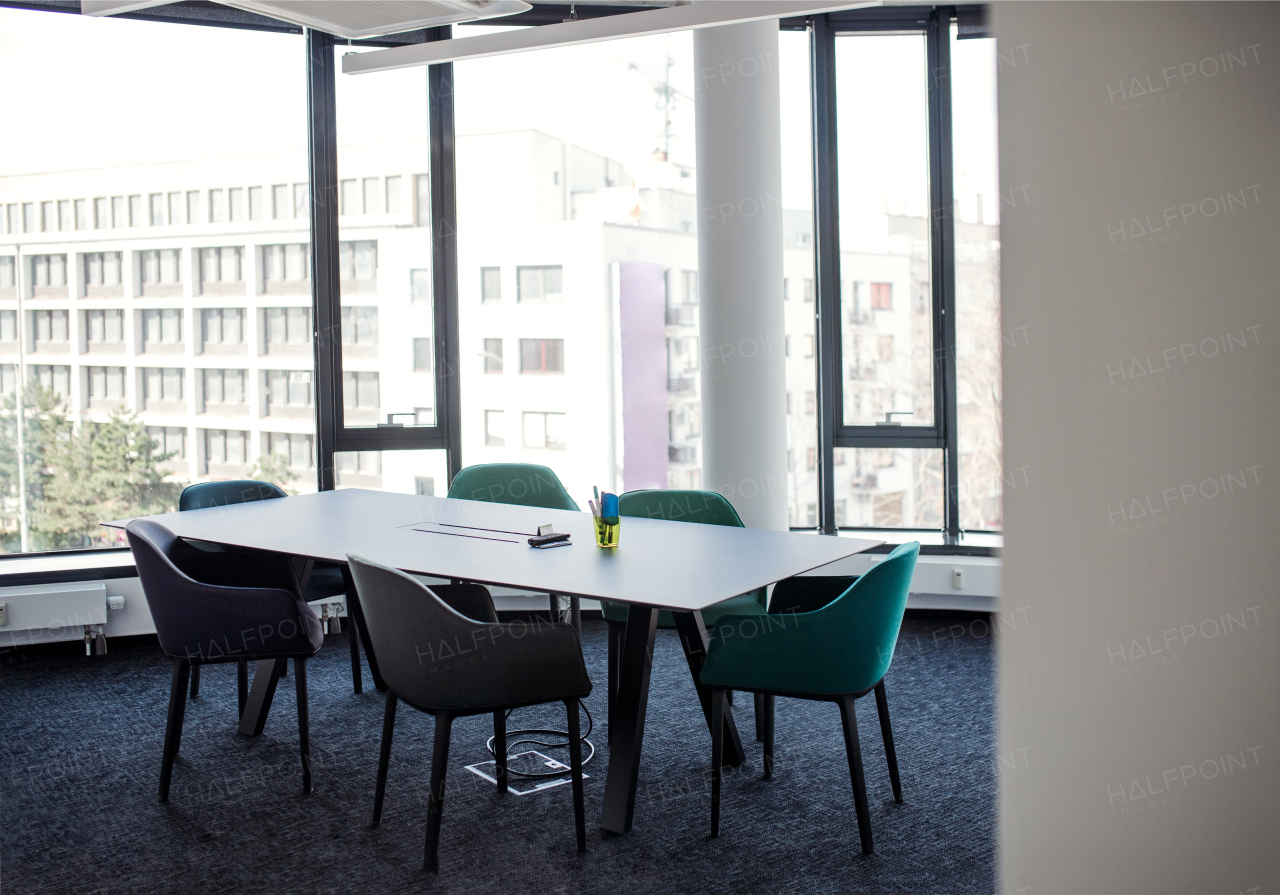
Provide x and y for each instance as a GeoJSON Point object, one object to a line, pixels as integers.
{"type": "Point", "coordinates": [744, 440]}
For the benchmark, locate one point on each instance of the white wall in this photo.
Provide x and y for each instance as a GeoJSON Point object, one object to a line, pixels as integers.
{"type": "Point", "coordinates": [1139, 723]}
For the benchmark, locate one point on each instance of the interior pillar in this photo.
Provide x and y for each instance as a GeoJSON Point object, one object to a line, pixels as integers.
{"type": "Point", "coordinates": [744, 423]}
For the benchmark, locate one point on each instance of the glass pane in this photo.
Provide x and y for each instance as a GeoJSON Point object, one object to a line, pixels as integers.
{"type": "Point", "coordinates": [889, 488]}
{"type": "Point", "coordinates": [980, 335]}
{"type": "Point", "coordinates": [885, 299]}
{"type": "Point", "coordinates": [400, 472]}
{"type": "Point", "coordinates": [574, 195]}
{"type": "Point", "coordinates": [384, 265]}
{"type": "Point", "coordinates": [797, 286]}
{"type": "Point", "coordinates": [139, 200]}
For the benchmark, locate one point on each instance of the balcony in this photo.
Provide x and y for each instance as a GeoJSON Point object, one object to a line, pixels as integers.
{"type": "Point", "coordinates": [682, 315]}
{"type": "Point", "coordinates": [682, 453]}
{"type": "Point", "coordinates": [680, 385]}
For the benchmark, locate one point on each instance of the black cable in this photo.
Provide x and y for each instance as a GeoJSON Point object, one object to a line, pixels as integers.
{"type": "Point", "coordinates": [511, 744]}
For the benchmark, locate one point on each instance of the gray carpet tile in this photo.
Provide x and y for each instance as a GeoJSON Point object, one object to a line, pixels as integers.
{"type": "Point", "coordinates": [82, 741]}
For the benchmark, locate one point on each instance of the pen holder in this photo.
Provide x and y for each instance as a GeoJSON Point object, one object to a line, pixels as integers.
{"type": "Point", "coordinates": [608, 529]}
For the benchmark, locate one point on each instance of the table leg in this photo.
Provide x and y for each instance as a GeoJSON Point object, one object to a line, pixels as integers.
{"type": "Point", "coordinates": [260, 696]}
{"type": "Point", "coordinates": [575, 614]}
{"type": "Point", "coordinates": [693, 637]}
{"type": "Point", "coordinates": [631, 702]}
{"type": "Point", "coordinates": [355, 611]}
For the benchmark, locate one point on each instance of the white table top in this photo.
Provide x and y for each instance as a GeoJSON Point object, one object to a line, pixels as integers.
{"type": "Point", "coordinates": [673, 565]}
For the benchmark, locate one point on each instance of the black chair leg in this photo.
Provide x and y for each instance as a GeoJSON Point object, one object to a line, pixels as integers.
{"type": "Point", "coordinates": [242, 684]}
{"type": "Point", "coordinates": [767, 718]}
{"type": "Point", "coordinates": [575, 768]}
{"type": "Point", "coordinates": [353, 635]}
{"type": "Point", "coordinates": [617, 630]}
{"type": "Point", "coordinates": [304, 732]}
{"type": "Point", "coordinates": [555, 609]}
{"type": "Point", "coordinates": [384, 756]}
{"type": "Point", "coordinates": [886, 731]}
{"type": "Point", "coordinates": [759, 702]}
{"type": "Point", "coordinates": [717, 755]}
{"type": "Point", "coordinates": [849, 720]}
{"type": "Point", "coordinates": [500, 749]}
{"type": "Point", "coordinates": [173, 727]}
{"type": "Point", "coordinates": [195, 681]}
{"type": "Point", "coordinates": [435, 801]}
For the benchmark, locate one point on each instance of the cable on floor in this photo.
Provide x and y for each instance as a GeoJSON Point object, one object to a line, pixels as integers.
{"type": "Point", "coordinates": [523, 738]}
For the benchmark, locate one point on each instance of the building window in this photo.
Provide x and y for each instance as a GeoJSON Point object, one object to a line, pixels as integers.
{"type": "Point", "coordinates": [170, 440]}
{"type": "Point", "coordinates": [287, 329]}
{"type": "Point", "coordinates": [359, 393]}
{"type": "Point", "coordinates": [358, 463]}
{"type": "Point", "coordinates": [104, 330]}
{"type": "Point", "coordinates": [360, 327]}
{"type": "Point", "coordinates": [7, 270]}
{"type": "Point", "coordinates": [297, 448]}
{"type": "Point", "coordinates": [8, 326]}
{"type": "Point", "coordinates": [257, 204]}
{"type": "Point", "coordinates": [539, 283]}
{"type": "Point", "coordinates": [235, 204]}
{"type": "Point", "coordinates": [159, 272]}
{"type": "Point", "coordinates": [155, 203]}
{"type": "Point", "coordinates": [137, 212]}
{"type": "Point", "coordinates": [287, 390]}
{"type": "Point", "coordinates": [493, 355]}
{"type": "Point", "coordinates": [808, 346]}
{"type": "Point", "coordinates": [64, 214]}
{"type": "Point", "coordinates": [101, 213]}
{"type": "Point", "coordinates": [82, 214]}
{"type": "Point", "coordinates": [810, 458]}
{"type": "Point", "coordinates": [544, 430]}
{"type": "Point", "coordinates": [193, 207]}
{"type": "Point", "coordinates": [225, 447]}
{"type": "Point", "coordinates": [49, 276]}
{"type": "Point", "coordinates": [490, 284]}
{"type": "Point", "coordinates": [422, 355]}
{"type": "Point", "coordinates": [689, 286]}
{"type": "Point", "coordinates": [886, 348]}
{"type": "Point", "coordinates": [422, 200]}
{"type": "Point", "coordinates": [221, 270]}
{"type": "Point", "coordinates": [217, 206]}
{"type": "Point", "coordinates": [104, 384]}
{"type": "Point", "coordinates": [811, 515]}
{"type": "Point", "coordinates": [55, 378]}
{"type": "Point", "coordinates": [223, 386]}
{"type": "Point", "coordinates": [221, 328]}
{"type": "Point", "coordinates": [371, 197]}
{"type": "Point", "coordinates": [280, 207]}
{"type": "Point", "coordinates": [542, 355]}
{"type": "Point", "coordinates": [393, 194]}
{"type": "Point", "coordinates": [424, 486]}
{"type": "Point", "coordinates": [49, 330]}
{"type": "Point", "coordinates": [102, 274]}
{"type": "Point", "coordinates": [358, 266]}
{"type": "Point", "coordinates": [808, 290]}
{"type": "Point", "coordinates": [286, 269]}
{"type": "Point", "coordinates": [161, 327]}
{"type": "Point", "coordinates": [301, 200]}
{"type": "Point", "coordinates": [175, 211]}
{"type": "Point", "coordinates": [161, 385]}
{"type": "Point", "coordinates": [348, 197]}
{"type": "Point", "coordinates": [495, 433]}
{"type": "Point", "coordinates": [420, 286]}
{"type": "Point", "coordinates": [881, 296]}
{"type": "Point", "coordinates": [809, 402]}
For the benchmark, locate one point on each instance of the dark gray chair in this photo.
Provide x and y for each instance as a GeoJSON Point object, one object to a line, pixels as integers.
{"type": "Point", "coordinates": [327, 579]}
{"type": "Point", "coordinates": [425, 649]}
{"type": "Point", "coordinates": [202, 616]}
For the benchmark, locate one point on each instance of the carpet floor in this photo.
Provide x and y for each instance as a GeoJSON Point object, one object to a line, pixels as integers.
{"type": "Point", "coordinates": [82, 741]}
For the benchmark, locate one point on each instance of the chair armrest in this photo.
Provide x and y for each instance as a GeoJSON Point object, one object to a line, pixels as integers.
{"type": "Point", "coordinates": [217, 623]}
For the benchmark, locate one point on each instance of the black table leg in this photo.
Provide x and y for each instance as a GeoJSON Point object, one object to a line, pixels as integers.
{"type": "Point", "coordinates": [354, 611]}
{"type": "Point", "coordinates": [254, 717]}
{"type": "Point", "coordinates": [575, 614]}
{"type": "Point", "coordinates": [693, 637]}
{"type": "Point", "coordinates": [631, 702]}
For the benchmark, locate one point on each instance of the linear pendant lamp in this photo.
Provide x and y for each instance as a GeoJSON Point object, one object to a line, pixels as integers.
{"type": "Point", "coordinates": [701, 14]}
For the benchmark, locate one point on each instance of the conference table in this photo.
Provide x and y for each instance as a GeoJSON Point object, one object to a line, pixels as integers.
{"type": "Point", "coordinates": [658, 564]}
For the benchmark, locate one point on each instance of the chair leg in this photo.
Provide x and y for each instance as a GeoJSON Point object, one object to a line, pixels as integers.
{"type": "Point", "coordinates": [617, 630]}
{"type": "Point", "coordinates": [173, 727]}
{"type": "Point", "coordinates": [500, 748]}
{"type": "Point", "coordinates": [717, 755]}
{"type": "Point", "coordinates": [759, 703]}
{"type": "Point", "coordinates": [384, 755]}
{"type": "Point", "coordinates": [304, 733]}
{"type": "Point", "coordinates": [353, 636]}
{"type": "Point", "coordinates": [435, 801]}
{"type": "Point", "coordinates": [555, 608]}
{"type": "Point", "coordinates": [886, 731]}
{"type": "Point", "coordinates": [195, 681]}
{"type": "Point", "coordinates": [767, 719]}
{"type": "Point", "coordinates": [849, 720]}
{"type": "Point", "coordinates": [575, 767]}
{"type": "Point", "coordinates": [242, 684]}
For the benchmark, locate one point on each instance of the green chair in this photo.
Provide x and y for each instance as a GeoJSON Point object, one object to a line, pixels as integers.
{"type": "Point", "coordinates": [519, 484]}
{"type": "Point", "coordinates": [706, 508]}
{"type": "Point", "coordinates": [837, 653]}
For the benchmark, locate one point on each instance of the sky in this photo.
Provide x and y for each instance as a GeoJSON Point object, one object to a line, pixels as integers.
{"type": "Point", "coordinates": [121, 91]}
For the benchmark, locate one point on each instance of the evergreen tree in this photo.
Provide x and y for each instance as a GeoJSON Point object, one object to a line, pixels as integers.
{"type": "Point", "coordinates": [274, 468]}
{"type": "Point", "coordinates": [42, 424]}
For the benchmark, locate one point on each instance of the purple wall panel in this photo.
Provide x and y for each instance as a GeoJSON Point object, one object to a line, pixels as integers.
{"type": "Point", "coordinates": [642, 299]}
